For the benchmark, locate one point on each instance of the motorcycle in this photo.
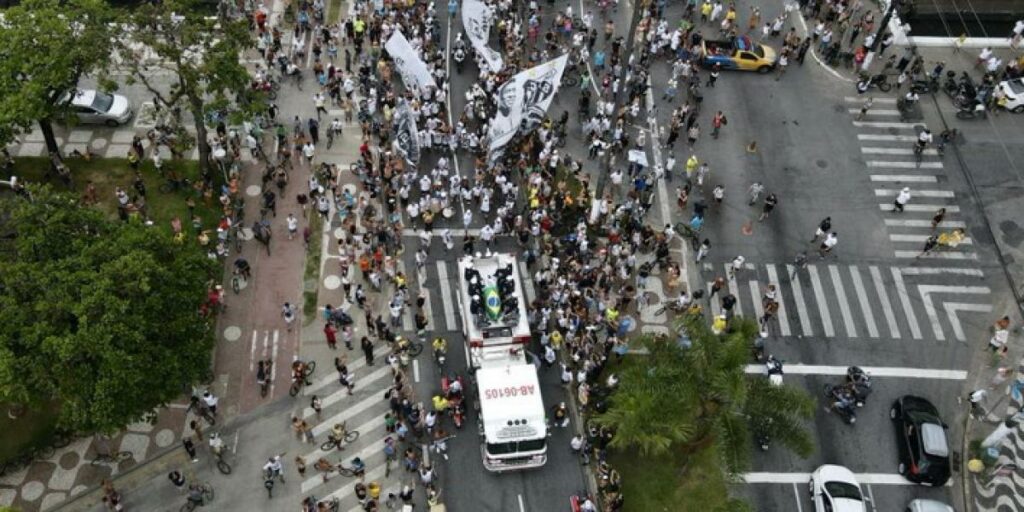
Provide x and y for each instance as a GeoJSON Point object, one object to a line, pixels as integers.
{"type": "Point", "coordinates": [924, 86]}
{"type": "Point", "coordinates": [455, 394]}
{"type": "Point", "coordinates": [581, 503]}
{"type": "Point", "coordinates": [440, 357]}
{"type": "Point", "coordinates": [877, 81]}
{"type": "Point", "coordinates": [859, 383]}
{"type": "Point", "coordinates": [975, 110]}
{"type": "Point", "coordinates": [842, 402]}
{"type": "Point", "coordinates": [773, 368]}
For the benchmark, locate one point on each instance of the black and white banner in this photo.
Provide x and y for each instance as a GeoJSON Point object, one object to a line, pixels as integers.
{"type": "Point", "coordinates": [406, 142]}
{"type": "Point", "coordinates": [523, 102]}
{"type": "Point", "coordinates": [415, 74]}
{"type": "Point", "coordinates": [477, 19]}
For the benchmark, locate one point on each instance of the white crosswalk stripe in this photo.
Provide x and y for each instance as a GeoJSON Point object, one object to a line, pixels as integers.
{"type": "Point", "coordinates": [909, 178]}
{"type": "Point", "coordinates": [861, 100]}
{"type": "Point", "coordinates": [895, 151]}
{"type": "Point", "coordinates": [882, 192]}
{"type": "Point", "coordinates": [819, 295]}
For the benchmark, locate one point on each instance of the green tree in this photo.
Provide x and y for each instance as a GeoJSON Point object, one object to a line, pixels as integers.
{"type": "Point", "coordinates": [46, 47]}
{"type": "Point", "coordinates": [203, 55]}
{"type": "Point", "coordinates": [685, 400]}
{"type": "Point", "coordinates": [97, 315]}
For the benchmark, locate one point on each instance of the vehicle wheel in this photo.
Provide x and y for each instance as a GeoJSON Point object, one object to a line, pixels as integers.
{"type": "Point", "coordinates": [224, 468]}
{"type": "Point", "coordinates": [884, 86]}
{"type": "Point", "coordinates": [327, 445]}
{"type": "Point", "coordinates": [415, 349]}
{"type": "Point", "coordinates": [294, 390]}
{"type": "Point", "coordinates": [310, 368]}
{"type": "Point", "coordinates": [271, 95]}
{"type": "Point", "coordinates": [343, 471]}
{"type": "Point", "coordinates": [764, 69]}
{"type": "Point", "coordinates": [810, 488]}
{"type": "Point", "coordinates": [351, 436]}
{"type": "Point", "coordinates": [892, 413]}
{"type": "Point", "coordinates": [111, 123]}
{"type": "Point", "coordinates": [901, 469]}
{"type": "Point", "coordinates": [1018, 109]}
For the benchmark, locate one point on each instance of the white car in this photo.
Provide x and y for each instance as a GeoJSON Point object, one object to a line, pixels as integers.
{"type": "Point", "coordinates": [928, 506]}
{"type": "Point", "coordinates": [835, 489]}
{"type": "Point", "coordinates": [1014, 90]}
{"type": "Point", "coordinates": [98, 107]}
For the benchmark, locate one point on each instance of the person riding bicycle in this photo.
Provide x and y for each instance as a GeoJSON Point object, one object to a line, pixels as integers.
{"type": "Point", "coordinates": [216, 444]}
{"type": "Point", "coordinates": [440, 346]}
{"type": "Point", "coordinates": [923, 139]}
{"type": "Point", "coordinates": [299, 372]}
{"type": "Point", "coordinates": [358, 467]}
{"type": "Point", "coordinates": [338, 433]}
{"type": "Point", "coordinates": [242, 268]}
{"type": "Point", "coordinates": [195, 494]}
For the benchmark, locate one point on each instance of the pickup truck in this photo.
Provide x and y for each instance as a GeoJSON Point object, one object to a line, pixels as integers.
{"type": "Point", "coordinates": [741, 54]}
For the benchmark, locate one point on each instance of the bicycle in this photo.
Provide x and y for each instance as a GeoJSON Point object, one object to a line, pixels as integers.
{"type": "Point", "coordinates": [196, 405]}
{"type": "Point", "coordinates": [204, 493]}
{"type": "Point", "coordinates": [298, 383]}
{"type": "Point", "coordinates": [693, 235]}
{"type": "Point", "coordinates": [331, 443]}
{"type": "Point", "coordinates": [222, 465]}
{"type": "Point", "coordinates": [349, 471]}
{"type": "Point", "coordinates": [114, 457]}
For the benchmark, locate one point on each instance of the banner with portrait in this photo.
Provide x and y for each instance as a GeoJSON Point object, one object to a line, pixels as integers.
{"type": "Point", "coordinates": [406, 141]}
{"type": "Point", "coordinates": [523, 102]}
{"type": "Point", "coordinates": [477, 19]}
{"type": "Point", "coordinates": [415, 74]}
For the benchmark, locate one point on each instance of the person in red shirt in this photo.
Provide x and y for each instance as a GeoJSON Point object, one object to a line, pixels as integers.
{"type": "Point", "coordinates": [331, 333]}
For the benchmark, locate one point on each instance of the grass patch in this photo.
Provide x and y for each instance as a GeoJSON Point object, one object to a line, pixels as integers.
{"type": "Point", "coordinates": [109, 173]}
{"type": "Point", "coordinates": [662, 484]}
{"type": "Point", "coordinates": [35, 428]}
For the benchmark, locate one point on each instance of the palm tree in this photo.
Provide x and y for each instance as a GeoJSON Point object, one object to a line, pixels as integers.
{"type": "Point", "coordinates": [686, 400]}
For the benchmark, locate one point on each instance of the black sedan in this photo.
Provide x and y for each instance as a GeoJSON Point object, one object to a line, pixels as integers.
{"type": "Point", "coordinates": [921, 437]}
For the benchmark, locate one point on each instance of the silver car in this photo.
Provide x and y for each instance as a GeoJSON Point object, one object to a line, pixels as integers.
{"type": "Point", "coordinates": [98, 107]}
{"type": "Point", "coordinates": [928, 506]}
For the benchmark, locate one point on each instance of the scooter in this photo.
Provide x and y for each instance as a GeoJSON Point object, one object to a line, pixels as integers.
{"type": "Point", "coordinates": [974, 111]}
{"type": "Point", "coordinates": [877, 81]}
{"type": "Point", "coordinates": [440, 356]}
{"type": "Point", "coordinates": [859, 383]}
{"type": "Point", "coordinates": [456, 398]}
{"type": "Point", "coordinates": [842, 395]}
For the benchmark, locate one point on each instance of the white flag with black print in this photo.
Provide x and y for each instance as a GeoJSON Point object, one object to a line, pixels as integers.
{"type": "Point", "coordinates": [407, 142]}
{"type": "Point", "coordinates": [523, 102]}
{"type": "Point", "coordinates": [415, 74]}
{"type": "Point", "coordinates": [477, 19]}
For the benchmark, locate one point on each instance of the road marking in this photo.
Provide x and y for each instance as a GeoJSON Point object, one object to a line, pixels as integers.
{"type": "Point", "coordinates": [884, 101]}
{"type": "Point", "coordinates": [904, 164]}
{"type": "Point", "coordinates": [446, 296]}
{"type": "Point", "coordinates": [521, 507]}
{"type": "Point", "coordinates": [875, 124]}
{"type": "Point", "coordinates": [332, 377]}
{"type": "Point", "coordinates": [796, 496]}
{"type": "Point", "coordinates": [819, 295]}
{"type": "Point", "coordinates": [953, 307]}
{"type": "Point", "coordinates": [927, 271]}
{"type": "Point", "coordinates": [930, 208]}
{"type": "Point", "coordinates": [895, 151]}
{"type": "Point", "coordinates": [911, 223]}
{"type": "Point", "coordinates": [876, 111]}
{"type": "Point", "coordinates": [273, 358]}
{"type": "Point", "coordinates": [365, 429]}
{"type": "Point", "coordinates": [801, 306]}
{"type": "Point", "coordinates": [938, 255]}
{"type": "Point", "coordinates": [527, 279]}
{"type": "Point", "coordinates": [416, 370]}
{"type": "Point", "coordinates": [844, 305]}
{"type": "Point", "coordinates": [926, 290]}
{"type": "Point", "coordinates": [341, 393]}
{"type": "Point", "coordinates": [909, 178]}
{"type": "Point", "coordinates": [372, 456]}
{"type": "Point", "coordinates": [252, 351]}
{"type": "Point", "coordinates": [886, 137]}
{"type": "Point", "coordinates": [715, 308]}
{"type": "Point", "coordinates": [773, 278]}
{"type": "Point", "coordinates": [908, 309]}
{"type": "Point", "coordinates": [898, 237]}
{"type": "Point", "coordinates": [803, 478]}
{"type": "Point", "coordinates": [883, 299]}
{"type": "Point", "coordinates": [862, 298]}
{"type": "Point", "coordinates": [755, 295]}
{"type": "Point", "coordinates": [734, 289]}
{"type": "Point", "coordinates": [871, 495]}
{"type": "Point", "coordinates": [882, 192]}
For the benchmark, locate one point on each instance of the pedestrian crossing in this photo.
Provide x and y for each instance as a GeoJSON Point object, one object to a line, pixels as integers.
{"type": "Point", "coordinates": [890, 162]}
{"type": "Point", "coordinates": [858, 301]}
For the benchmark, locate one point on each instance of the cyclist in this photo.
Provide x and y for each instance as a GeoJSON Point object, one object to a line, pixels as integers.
{"type": "Point", "coordinates": [923, 139]}
{"type": "Point", "coordinates": [337, 434]}
{"type": "Point", "coordinates": [242, 268]}
{"type": "Point", "coordinates": [263, 372]}
{"type": "Point", "coordinates": [195, 494]}
{"type": "Point", "coordinates": [216, 444]}
{"type": "Point", "coordinates": [358, 467]}
{"type": "Point", "coordinates": [440, 346]}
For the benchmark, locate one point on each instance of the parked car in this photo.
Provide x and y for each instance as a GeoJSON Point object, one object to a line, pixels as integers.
{"type": "Point", "coordinates": [928, 506]}
{"type": "Point", "coordinates": [835, 489]}
{"type": "Point", "coordinates": [921, 438]}
{"type": "Point", "coordinates": [1014, 90]}
{"type": "Point", "coordinates": [98, 107]}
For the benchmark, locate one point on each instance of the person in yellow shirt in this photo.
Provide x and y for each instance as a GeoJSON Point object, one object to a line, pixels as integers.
{"type": "Point", "coordinates": [705, 11]}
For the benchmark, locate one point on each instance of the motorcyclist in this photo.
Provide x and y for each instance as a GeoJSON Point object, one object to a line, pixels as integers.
{"type": "Point", "coordinates": [454, 389]}
{"type": "Point", "coordinates": [440, 403]}
{"type": "Point", "coordinates": [440, 346]}
{"type": "Point", "coordinates": [242, 268]}
{"type": "Point", "coordinates": [923, 139]}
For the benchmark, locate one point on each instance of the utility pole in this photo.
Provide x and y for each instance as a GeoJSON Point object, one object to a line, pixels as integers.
{"type": "Point", "coordinates": [878, 35]}
{"type": "Point", "coordinates": [639, 8]}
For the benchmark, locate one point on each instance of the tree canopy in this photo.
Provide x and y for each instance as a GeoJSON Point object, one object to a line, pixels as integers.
{"type": "Point", "coordinates": [96, 315]}
{"type": "Point", "coordinates": [46, 47]}
{"type": "Point", "coordinates": [202, 53]}
{"type": "Point", "coordinates": [684, 400]}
